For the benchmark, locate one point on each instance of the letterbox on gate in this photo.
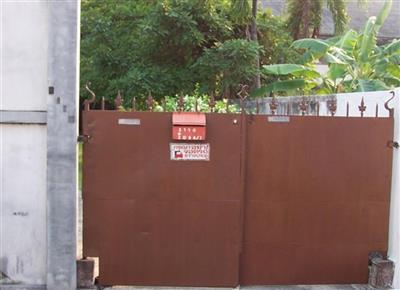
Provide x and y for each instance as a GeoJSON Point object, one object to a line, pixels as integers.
{"type": "Point", "coordinates": [188, 126]}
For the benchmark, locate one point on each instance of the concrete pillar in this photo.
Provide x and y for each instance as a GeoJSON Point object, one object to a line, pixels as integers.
{"type": "Point", "coordinates": [62, 131]}
{"type": "Point", "coordinates": [394, 227]}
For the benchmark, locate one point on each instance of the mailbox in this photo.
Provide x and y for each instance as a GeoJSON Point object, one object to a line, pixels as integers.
{"type": "Point", "coordinates": [188, 126]}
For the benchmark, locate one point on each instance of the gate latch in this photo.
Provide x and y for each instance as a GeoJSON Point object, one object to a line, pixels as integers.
{"type": "Point", "coordinates": [83, 138]}
{"type": "Point", "coordinates": [393, 144]}
{"type": "Point", "coordinates": [188, 126]}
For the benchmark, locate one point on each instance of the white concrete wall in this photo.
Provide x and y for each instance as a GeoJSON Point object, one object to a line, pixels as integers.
{"type": "Point", "coordinates": [24, 43]}
{"type": "Point", "coordinates": [23, 204]}
{"type": "Point", "coordinates": [24, 55]}
{"type": "Point", "coordinates": [394, 229]}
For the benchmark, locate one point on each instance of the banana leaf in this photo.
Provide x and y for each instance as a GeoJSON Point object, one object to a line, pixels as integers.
{"type": "Point", "coordinates": [279, 86]}
{"type": "Point", "coordinates": [293, 69]}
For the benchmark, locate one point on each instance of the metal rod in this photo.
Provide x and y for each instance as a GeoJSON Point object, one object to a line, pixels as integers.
{"type": "Point", "coordinates": [150, 102]}
{"type": "Point", "coordinates": [347, 109]}
{"type": "Point", "coordinates": [317, 108]}
{"type": "Point", "coordinates": [303, 106]}
{"type": "Point", "coordinates": [87, 102]}
{"type": "Point", "coordinates": [211, 103]}
{"type": "Point", "coordinates": [332, 106]}
{"type": "Point", "coordinates": [257, 106]}
{"type": "Point", "coordinates": [118, 101]}
{"type": "Point", "coordinates": [133, 104]}
{"type": "Point", "coordinates": [273, 105]}
{"type": "Point", "coordinates": [391, 110]}
{"type": "Point", "coordinates": [164, 104]}
{"type": "Point", "coordinates": [103, 103]}
{"type": "Point", "coordinates": [376, 110]}
{"type": "Point", "coordinates": [362, 107]}
{"type": "Point", "coordinates": [181, 103]}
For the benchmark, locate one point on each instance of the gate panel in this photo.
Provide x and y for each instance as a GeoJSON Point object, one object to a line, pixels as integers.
{"type": "Point", "coordinates": [317, 199]}
{"type": "Point", "coordinates": [153, 221]}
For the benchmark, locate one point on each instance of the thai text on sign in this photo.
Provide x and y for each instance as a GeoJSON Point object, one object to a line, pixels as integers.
{"type": "Point", "coordinates": [187, 151]}
{"type": "Point", "coordinates": [188, 133]}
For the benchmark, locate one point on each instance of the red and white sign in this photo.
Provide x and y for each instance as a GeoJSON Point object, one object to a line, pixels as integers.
{"type": "Point", "coordinates": [190, 151]}
{"type": "Point", "coordinates": [188, 126]}
{"type": "Point", "coordinates": [188, 133]}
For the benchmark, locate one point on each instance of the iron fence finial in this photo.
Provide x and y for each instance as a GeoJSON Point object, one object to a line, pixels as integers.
{"type": "Point", "coordinates": [391, 110]}
{"type": "Point", "coordinates": [362, 107]}
{"type": "Point", "coordinates": [87, 102]}
{"type": "Point", "coordinates": [118, 101]}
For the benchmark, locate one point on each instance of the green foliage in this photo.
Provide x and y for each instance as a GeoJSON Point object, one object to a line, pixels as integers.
{"type": "Point", "coordinates": [240, 12]}
{"type": "Point", "coordinates": [143, 46]}
{"type": "Point", "coordinates": [169, 47]}
{"type": "Point", "coordinates": [226, 65]}
{"type": "Point", "coordinates": [190, 104]}
{"type": "Point", "coordinates": [355, 62]}
{"type": "Point", "coordinates": [275, 39]}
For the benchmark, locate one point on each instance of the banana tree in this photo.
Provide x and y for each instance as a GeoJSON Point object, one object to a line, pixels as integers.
{"type": "Point", "coordinates": [355, 63]}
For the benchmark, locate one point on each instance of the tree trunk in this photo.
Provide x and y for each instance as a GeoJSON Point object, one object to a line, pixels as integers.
{"type": "Point", "coordinates": [306, 19]}
{"type": "Point", "coordinates": [253, 37]}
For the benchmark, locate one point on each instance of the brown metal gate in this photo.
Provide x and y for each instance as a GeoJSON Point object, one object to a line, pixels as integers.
{"type": "Point", "coordinates": [282, 200]}
{"type": "Point", "coordinates": [154, 221]}
{"type": "Point", "coordinates": [317, 199]}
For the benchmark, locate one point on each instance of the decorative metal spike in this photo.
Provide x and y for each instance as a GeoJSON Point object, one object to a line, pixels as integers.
{"type": "Point", "coordinates": [362, 107]}
{"type": "Point", "coordinates": [376, 110]}
{"type": "Point", "coordinates": [257, 106]}
{"type": "Point", "coordinates": [134, 104]}
{"type": "Point", "coordinates": [332, 106]}
{"type": "Point", "coordinates": [150, 102]}
{"type": "Point", "coordinates": [347, 109]}
{"type": "Point", "coordinates": [164, 104]}
{"type": "Point", "coordinates": [212, 103]}
{"type": "Point", "coordinates": [391, 110]}
{"type": "Point", "coordinates": [181, 103]}
{"type": "Point", "coordinates": [303, 106]}
{"type": "Point", "coordinates": [273, 105]}
{"type": "Point", "coordinates": [318, 108]}
{"type": "Point", "coordinates": [103, 103]}
{"type": "Point", "coordinates": [243, 94]}
{"type": "Point", "coordinates": [87, 102]}
{"type": "Point", "coordinates": [118, 101]}
{"type": "Point", "coordinates": [196, 105]}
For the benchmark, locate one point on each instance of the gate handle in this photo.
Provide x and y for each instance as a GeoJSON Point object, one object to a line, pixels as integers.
{"type": "Point", "coordinates": [393, 144]}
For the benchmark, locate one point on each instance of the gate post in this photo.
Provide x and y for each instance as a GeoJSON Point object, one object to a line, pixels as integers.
{"type": "Point", "coordinates": [62, 131]}
{"type": "Point", "coordinates": [394, 221]}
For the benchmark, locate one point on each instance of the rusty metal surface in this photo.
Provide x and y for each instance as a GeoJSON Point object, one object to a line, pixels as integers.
{"type": "Point", "coordinates": [283, 199]}
{"type": "Point", "coordinates": [189, 118]}
{"type": "Point", "coordinates": [153, 221]}
{"type": "Point", "coordinates": [317, 199]}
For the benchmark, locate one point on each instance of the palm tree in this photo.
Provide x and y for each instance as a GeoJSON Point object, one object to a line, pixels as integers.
{"type": "Point", "coordinates": [305, 16]}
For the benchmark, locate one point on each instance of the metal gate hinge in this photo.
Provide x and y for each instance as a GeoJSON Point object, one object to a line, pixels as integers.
{"type": "Point", "coordinates": [83, 138]}
{"type": "Point", "coordinates": [393, 144]}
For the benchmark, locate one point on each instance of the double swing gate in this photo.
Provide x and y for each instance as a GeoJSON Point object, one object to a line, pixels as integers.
{"type": "Point", "coordinates": [191, 199]}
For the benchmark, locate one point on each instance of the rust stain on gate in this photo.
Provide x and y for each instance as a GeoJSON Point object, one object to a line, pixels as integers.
{"type": "Point", "coordinates": [282, 200]}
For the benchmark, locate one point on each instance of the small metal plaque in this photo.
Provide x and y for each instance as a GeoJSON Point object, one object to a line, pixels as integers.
{"type": "Point", "coordinates": [190, 151]}
{"type": "Point", "coordinates": [132, 122]}
{"type": "Point", "coordinates": [279, 119]}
